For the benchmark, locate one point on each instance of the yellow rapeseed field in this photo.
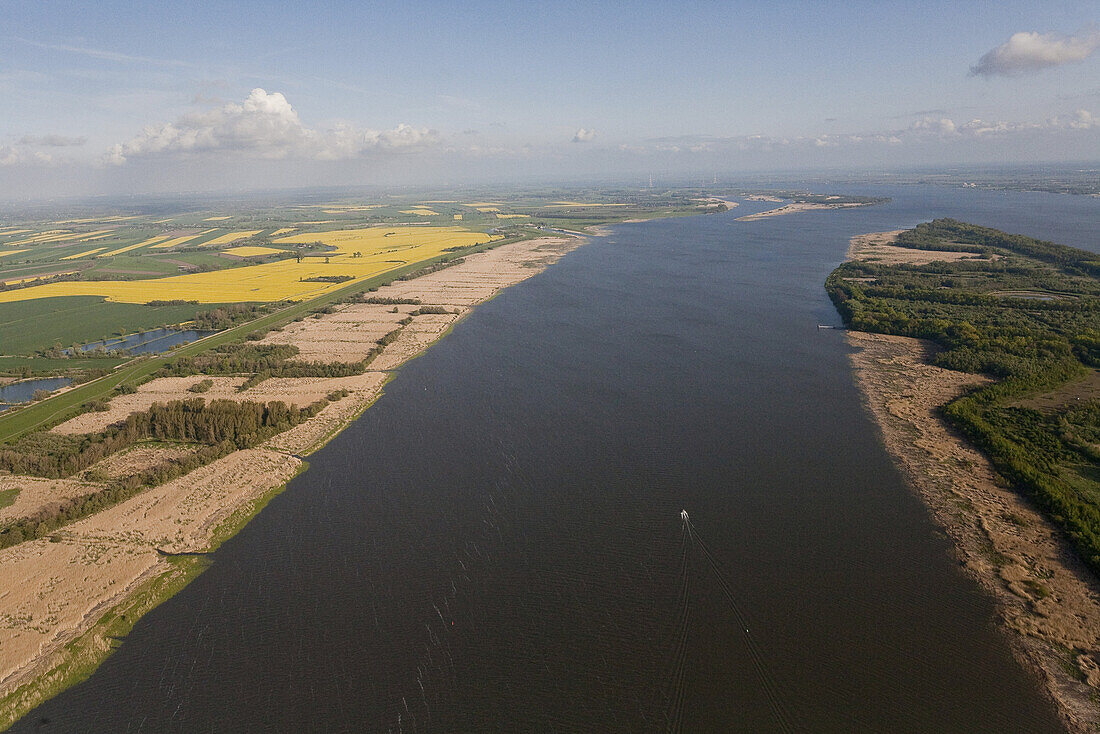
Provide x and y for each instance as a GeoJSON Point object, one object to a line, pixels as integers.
{"type": "Point", "coordinates": [250, 251]}
{"type": "Point", "coordinates": [216, 219]}
{"type": "Point", "coordinates": [36, 277]}
{"type": "Point", "coordinates": [225, 239]}
{"type": "Point", "coordinates": [360, 253]}
{"type": "Point", "coordinates": [98, 236]}
{"type": "Point", "coordinates": [422, 211]}
{"type": "Point", "coordinates": [121, 250]}
{"type": "Point", "coordinates": [284, 230]}
{"type": "Point", "coordinates": [513, 216]}
{"type": "Point", "coordinates": [557, 204]}
{"type": "Point", "coordinates": [180, 240]}
{"type": "Point", "coordinates": [5, 253]}
{"type": "Point", "coordinates": [97, 219]}
{"type": "Point", "coordinates": [487, 209]}
{"type": "Point", "coordinates": [55, 235]}
{"type": "Point", "coordinates": [48, 236]}
{"type": "Point", "coordinates": [86, 253]}
{"type": "Point", "coordinates": [341, 208]}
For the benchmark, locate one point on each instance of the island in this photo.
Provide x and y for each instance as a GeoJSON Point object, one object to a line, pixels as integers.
{"type": "Point", "coordinates": [978, 354]}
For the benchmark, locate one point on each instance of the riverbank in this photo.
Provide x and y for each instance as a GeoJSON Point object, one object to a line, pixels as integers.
{"type": "Point", "coordinates": [1048, 602]}
{"type": "Point", "coordinates": [61, 614]}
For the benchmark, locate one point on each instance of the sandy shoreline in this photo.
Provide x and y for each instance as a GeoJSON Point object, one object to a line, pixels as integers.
{"type": "Point", "coordinates": [1048, 602]}
{"type": "Point", "coordinates": [795, 208]}
{"type": "Point", "coordinates": [57, 589]}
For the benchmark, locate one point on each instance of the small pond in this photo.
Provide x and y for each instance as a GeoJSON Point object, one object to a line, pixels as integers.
{"type": "Point", "coordinates": [154, 341]}
{"type": "Point", "coordinates": [22, 391]}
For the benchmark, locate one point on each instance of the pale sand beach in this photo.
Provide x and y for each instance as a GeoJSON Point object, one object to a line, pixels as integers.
{"type": "Point", "coordinates": [796, 208]}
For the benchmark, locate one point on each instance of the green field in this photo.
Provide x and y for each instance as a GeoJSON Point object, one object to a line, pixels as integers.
{"type": "Point", "coordinates": [49, 365]}
{"type": "Point", "coordinates": [29, 326]}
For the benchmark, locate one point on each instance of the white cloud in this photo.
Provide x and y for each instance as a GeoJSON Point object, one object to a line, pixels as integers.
{"type": "Point", "coordinates": [935, 125]}
{"type": "Point", "coordinates": [265, 125]}
{"type": "Point", "coordinates": [1028, 52]}
{"type": "Point", "coordinates": [584, 135]}
{"type": "Point", "coordinates": [11, 155]}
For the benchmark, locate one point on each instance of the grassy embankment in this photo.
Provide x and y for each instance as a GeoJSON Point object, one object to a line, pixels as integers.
{"type": "Point", "coordinates": [1026, 313]}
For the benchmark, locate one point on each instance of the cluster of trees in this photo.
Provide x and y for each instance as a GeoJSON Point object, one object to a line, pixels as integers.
{"type": "Point", "coordinates": [221, 426]}
{"type": "Point", "coordinates": [225, 316]}
{"type": "Point", "coordinates": [260, 361]}
{"type": "Point", "coordinates": [231, 359]}
{"type": "Point", "coordinates": [440, 265]}
{"type": "Point", "coordinates": [329, 278]}
{"type": "Point", "coordinates": [1029, 344]}
{"type": "Point", "coordinates": [390, 301]}
{"type": "Point", "coordinates": [951, 234]}
{"type": "Point", "coordinates": [243, 424]}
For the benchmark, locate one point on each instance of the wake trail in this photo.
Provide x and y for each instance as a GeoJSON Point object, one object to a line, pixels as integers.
{"type": "Point", "coordinates": [767, 682]}
{"type": "Point", "coordinates": [675, 689]}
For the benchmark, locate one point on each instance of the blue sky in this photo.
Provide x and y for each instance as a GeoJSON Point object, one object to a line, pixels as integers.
{"type": "Point", "coordinates": [432, 92]}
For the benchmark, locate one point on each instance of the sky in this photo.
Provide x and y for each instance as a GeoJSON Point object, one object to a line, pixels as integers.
{"type": "Point", "coordinates": [132, 98]}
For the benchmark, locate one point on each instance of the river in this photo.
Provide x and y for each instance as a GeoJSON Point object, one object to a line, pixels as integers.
{"type": "Point", "coordinates": [497, 544]}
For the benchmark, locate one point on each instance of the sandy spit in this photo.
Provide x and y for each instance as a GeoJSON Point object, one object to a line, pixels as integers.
{"type": "Point", "coordinates": [1048, 602]}
{"type": "Point", "coordinates": [794, 209]}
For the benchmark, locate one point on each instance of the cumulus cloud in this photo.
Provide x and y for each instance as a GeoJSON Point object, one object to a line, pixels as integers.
{"type": "Point", "coordinates": [52, 141]}
{"type": "Point", "coordinates": [1028, 52]}
{"type": "Point", "coordinates": [265, 125]}
{"type": "Point", "coordinates": [584, 135]}
{"type": "Point", "coordinates": [935, 126]}
{"type": "Point", "coordinates": [11, 155]}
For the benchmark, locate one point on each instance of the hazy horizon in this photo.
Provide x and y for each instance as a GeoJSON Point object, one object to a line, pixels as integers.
{"type": "Point", "coordinates": [241, 96]}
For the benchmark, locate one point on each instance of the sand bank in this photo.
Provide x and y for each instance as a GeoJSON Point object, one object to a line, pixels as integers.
{"type": "Point", "coordinates": [796, 208]}
{"type": "Point", "coordinates": [1049, 604]}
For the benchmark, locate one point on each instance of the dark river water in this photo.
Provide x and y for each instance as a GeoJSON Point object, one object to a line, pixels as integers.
{"type": "Point", "coordinates": [497, 544]}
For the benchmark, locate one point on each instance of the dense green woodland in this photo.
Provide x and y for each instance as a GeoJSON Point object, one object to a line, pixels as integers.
{"type": "Point", "coordinates": [1024, 312]}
